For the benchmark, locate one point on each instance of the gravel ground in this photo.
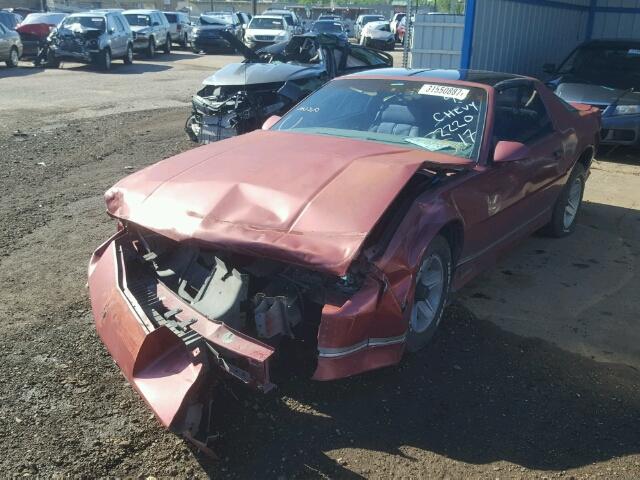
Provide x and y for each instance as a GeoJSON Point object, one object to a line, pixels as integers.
{"type": "Point", "coordinates": [479, 403]}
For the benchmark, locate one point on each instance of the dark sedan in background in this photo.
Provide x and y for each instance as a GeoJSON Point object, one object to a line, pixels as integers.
{"type": "Point", "coordinates": [206, 35]}
{"type": "Point", "coordinates": [606, 75]}
{"type": "Point", "coordinates": [330, 27]}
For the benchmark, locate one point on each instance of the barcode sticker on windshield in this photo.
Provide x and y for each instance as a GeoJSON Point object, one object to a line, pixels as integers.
{"type": "Point", "coordinates": [444, 91]}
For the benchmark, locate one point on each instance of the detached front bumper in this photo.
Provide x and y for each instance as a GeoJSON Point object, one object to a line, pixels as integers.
{"type": "Point", "coordinates": [172, 360]}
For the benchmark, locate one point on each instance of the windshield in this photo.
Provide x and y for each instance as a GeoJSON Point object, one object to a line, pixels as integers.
{"type": "Point", "coordinates": [331, 27]}
{"type": "Point", "coordinates": [431, 116]}
{"type": "Point", "coordinates": [47, 18]}
{"type": "Point", "coordinates": [83, 22]}
{"type": "Point", "coordinates": [216, 19]}
{"type": "Point", "coordinates": [136, 20]}
{"type": "Point", "coordinates": [611, 66]}
{"type": "Point", "coordinates": [267, 23]}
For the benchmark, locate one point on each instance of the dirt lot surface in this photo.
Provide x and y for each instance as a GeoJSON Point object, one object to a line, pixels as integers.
{"type": "Point", "coordinates": [534, 374]}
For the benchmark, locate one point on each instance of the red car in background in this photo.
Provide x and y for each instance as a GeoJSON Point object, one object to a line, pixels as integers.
{"type": "Point", "coordinates": [338, 232]}
{"type": "Point", "coordinates": [35, 29]}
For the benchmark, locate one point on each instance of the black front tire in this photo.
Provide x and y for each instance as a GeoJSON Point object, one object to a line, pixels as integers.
{"type": "Point", "coordinates": [167, 45]}
{"type": "Point", "coordinates": [559, 226]}
{"type": "Point", "coordinates": [14, 58]}
{"type": "Point", "coordinates": [439, 246]}
{"type": "Point", "coordinates": [52, 61]}
{"type": "Point", "coordinates": [151, 48]}
{"type": "Point", "coordinates": [128, 57]}
{"type": "Point", "coordinates": [104, 60]}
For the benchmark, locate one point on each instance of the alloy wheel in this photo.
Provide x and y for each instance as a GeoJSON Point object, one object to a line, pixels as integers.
{"type": "Point", "coordinates": [428, 295]}
{"type": "Point", "coordinates": [573, 202]}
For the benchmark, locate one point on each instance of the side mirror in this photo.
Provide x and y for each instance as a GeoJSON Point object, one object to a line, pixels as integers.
{"type": "Point", "coordinates": [510, 152]}
{"type": "Point", "coordinates": [270, 122]}
{"type": "Point", "coordinates": [549, 68]}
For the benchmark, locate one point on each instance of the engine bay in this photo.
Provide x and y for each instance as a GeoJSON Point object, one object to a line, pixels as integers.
{"type": "Point", "coordinates": [262, 298]}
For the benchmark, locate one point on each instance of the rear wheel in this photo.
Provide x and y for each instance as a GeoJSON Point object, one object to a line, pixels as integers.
{"type": "Point", "coordinates": [432, 286]}
{"type": "Point", "coordinates": [567, 207]}
{"type": "Point", "coordinates": [183, 41]}
{"type": "Point", "coordinates": [128, 57]}
{"type": "Point", "coordinates": [167, 45]}
{"type": "Point", "coordinates": [14, 58]}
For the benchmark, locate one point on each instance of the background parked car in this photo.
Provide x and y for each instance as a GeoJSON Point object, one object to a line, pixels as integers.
{"type": "Point", "coordinates": [290, 17]}
{"type": "Point", "coordinates": [378, 35]}
{"type": "Point", "coordinates": [150, 30]}
{"type": "Point", "coordinates": [10, 46]}
{"type": "Point", "coordinates": [361, 21]}
{"type": "Point", "coordinates": [330, 27]}
{"type": "Point", "coordinates": [395, 21]}
{"type": "Point", "coordinates": [9, 19]}
{"type": "Point", "coordinates": [605, 74]}
{"type": "Point", "coordinates": [266, 30]}
{"type": "Point", "coordinates": [179, 27]}
{"type": "Point", "coordinates": [206, 37]}
{"type": "Point", "coordinates": [401, 30]}
{"type": "Point", "coordinates": [91, 37]}
{"type": "Point", "coordinates": [35, 29]}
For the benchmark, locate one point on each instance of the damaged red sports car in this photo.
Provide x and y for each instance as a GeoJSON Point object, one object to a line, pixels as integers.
{"type": "Point", "coordinates": [334, 236]}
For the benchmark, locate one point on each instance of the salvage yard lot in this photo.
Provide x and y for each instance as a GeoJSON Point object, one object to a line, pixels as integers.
{"type": "Point", "coordinates": [536, 371]}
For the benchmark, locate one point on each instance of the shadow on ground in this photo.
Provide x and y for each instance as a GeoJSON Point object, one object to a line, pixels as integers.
{"type": "Point", "coordinates": [619, 154]}
{"type": "Point", "coordinates": [118, 67]}
{"type": "Point", "coordinates": [478, 395]}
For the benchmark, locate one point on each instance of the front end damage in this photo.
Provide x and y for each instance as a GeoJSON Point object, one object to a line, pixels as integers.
{"type": "Point", "coordinates": [222, 274]}
{"type": "Point", "coordinates": [240, 97]}
{"type": "Point", "coordinates": [220, 112]}
{"type": "Point", "coordinates": [179, 320]}
{"type": "Point", "coordinates": [81, 45]}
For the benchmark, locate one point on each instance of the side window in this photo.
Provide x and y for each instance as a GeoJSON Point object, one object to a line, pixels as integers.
{"type": "Point", "coordinates": [363, 57]}
{"type": "Point", "coordinates": [119, 24]}
{"type": "Point", "coordinates": [520, 115]}
{"type": "Point", "coordinates": [2, 29]}
{"type": "Point", "coordinates": [110, 24]}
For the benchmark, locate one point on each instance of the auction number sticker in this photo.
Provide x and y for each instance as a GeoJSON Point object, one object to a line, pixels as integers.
{"type": "Point", "coordinates": [444, 91]}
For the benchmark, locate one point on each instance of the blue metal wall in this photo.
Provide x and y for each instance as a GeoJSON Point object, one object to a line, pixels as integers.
{"type": "Point", "coordinates": [521, 36]}
{"type": "Point", "coordinates": [437, 40]}
{"type": "Point", "coordinates": [616, 19]}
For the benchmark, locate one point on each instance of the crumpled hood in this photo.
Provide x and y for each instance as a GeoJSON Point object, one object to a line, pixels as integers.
{"type": "Point", "coordinates": [595, 94]}
{"type": "Point", "coordinates": [257, 73]}
{"type": "Point", "coordinates": [309, 200]}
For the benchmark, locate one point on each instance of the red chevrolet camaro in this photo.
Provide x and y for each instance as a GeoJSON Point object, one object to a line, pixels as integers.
{"type": "Point", "coordinates": [336, 232]}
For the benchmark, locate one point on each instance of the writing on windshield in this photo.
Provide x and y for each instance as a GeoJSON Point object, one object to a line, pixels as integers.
{"type": "Point", "coordinates": [432, 116]}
